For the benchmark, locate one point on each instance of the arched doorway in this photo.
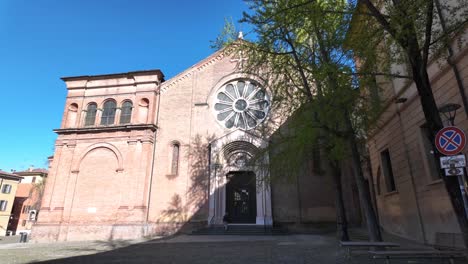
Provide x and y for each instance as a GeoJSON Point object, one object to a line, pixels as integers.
{"type": "Point", "coordinates": [238, 180]}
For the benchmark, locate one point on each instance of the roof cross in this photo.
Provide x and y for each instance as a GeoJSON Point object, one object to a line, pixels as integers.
{"type": "Point", "coordinates": [240, 60]}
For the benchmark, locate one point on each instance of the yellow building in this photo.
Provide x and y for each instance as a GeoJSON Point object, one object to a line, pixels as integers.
{"type": "Point", "coordinates": [8, 185]}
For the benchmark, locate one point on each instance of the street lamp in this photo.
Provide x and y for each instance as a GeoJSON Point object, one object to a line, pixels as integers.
{"type": "Point", "coordinates": [449, 111]}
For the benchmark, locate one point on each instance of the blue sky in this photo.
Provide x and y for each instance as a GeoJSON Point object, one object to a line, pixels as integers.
{"type": "Point", "coordinates": [41, 41]}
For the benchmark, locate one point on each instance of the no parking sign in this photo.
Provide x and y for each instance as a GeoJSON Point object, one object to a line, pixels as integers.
{"type": "Point", "coordinates": [450, 140]}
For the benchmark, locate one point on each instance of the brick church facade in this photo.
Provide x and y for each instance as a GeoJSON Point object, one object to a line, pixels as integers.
{"type": "Point", "coordinates": [137, 155]}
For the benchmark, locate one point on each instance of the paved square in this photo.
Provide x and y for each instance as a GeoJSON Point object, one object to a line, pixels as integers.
{"type": "Point", "coordinates": [292, 249]}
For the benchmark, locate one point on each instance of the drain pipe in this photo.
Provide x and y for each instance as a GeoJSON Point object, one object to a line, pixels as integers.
{"type": "Point", "coordinates": [152, 161]}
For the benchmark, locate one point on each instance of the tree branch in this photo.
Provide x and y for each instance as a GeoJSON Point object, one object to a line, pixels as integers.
{"type": "Point", "coordinates": [449, 31]}
{"type": "Point", "coordinates": [269, 18]}
{"type": "Point", "coordinates": [380, 74]}
{"type": "Point", "coordinates": [380, 18]}
{"type": "Point", "coordinates": [428, 33]}
{"type": "Point", "coordinates": [299, 67]}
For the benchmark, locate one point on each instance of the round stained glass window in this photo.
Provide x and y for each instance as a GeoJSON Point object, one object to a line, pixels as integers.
{"type": "Point", "coordinates": [241, 104]}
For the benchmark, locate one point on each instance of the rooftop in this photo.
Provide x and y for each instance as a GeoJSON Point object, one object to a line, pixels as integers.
{"type": "Point", "coordinates": [31, 171]}
{"type": "Point", "coordinates": [115, 75]}
{"type": "Point", "coordinates": [10, 176]}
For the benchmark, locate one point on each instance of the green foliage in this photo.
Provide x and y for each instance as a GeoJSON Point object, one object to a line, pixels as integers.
{"type": "Point", "coordinates": [292, 145]}
{"type": "Point", "coordinates": [383, 40]}
{"type": "Point", "coordinates": [300, 50]}
{"type": "Point", "coordinates": [227, 36]}
{"type": "Point", "coordinates": [306, 49]}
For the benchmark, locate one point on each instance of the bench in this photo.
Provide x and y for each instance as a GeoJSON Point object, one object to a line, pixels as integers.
{"type": "Point", "coordinates": [355, 246]}
{"type": "Point", "coordinates": [416, 254]}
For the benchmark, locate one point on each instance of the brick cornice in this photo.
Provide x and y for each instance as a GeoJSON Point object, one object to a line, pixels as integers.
{"type": "Point", "coordinates": [115, 75]}
{"type": "Point", "coordinates": [217, 56]}
{"type": "Point", "coordinates": [114, 128]}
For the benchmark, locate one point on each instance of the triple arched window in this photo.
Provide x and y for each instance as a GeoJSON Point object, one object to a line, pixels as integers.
{"type": "Point", "coordinates": [109, 112]}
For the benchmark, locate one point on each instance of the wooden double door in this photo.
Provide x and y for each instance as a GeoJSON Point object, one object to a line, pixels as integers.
{"type": "Point", "coordinates": [241, 197]}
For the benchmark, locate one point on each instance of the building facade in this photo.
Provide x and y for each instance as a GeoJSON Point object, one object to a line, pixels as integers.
{"type": "Point", "coordinates": [411, 197]}
{"type": "Point", "coordinates": [8, 185]}
{"type": "Point", "coordinates": [137, 155]}
{"type": "Point", "coordinates": [27, 200]}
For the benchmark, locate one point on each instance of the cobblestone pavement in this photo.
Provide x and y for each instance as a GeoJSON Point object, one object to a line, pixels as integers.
{"type": "Point", "coordinates": [304, 249]}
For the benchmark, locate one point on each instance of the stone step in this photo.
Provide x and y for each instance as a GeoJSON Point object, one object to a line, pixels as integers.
{"type": "Point", "coordinates": [247, 230]}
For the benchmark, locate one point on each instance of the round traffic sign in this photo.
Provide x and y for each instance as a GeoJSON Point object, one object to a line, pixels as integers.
{"type": "Point", "coordinates": [450, 140]}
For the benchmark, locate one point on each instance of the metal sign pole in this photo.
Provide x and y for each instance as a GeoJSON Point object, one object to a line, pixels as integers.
{"type": "Point", "coordinates": [461, 182]}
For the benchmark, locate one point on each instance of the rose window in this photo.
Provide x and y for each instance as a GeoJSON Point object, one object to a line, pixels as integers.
{"type": "Point", "coordinates": [241, 104]}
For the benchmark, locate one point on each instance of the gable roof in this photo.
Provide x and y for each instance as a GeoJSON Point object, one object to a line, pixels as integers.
{"type": "Point", "coordinates": [199, 66]}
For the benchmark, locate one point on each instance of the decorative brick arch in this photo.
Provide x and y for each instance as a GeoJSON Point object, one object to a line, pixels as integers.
{"type": "Point", "coordinates": [112, 148]}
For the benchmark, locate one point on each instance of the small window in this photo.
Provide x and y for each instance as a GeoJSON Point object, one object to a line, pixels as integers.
{"type": "Point", "coordinates": [387, 170]}
{"type": "Point", "coordinates": [6, 188]}
{"type": "Point", "coordinates": [24, 223]}
{"type": "Point", "coordinates": [3, 205]}
{"type": "Point", "coordinates": [175, 159]}
{"type": "Point", "coordinates": [33, 179]}
{"type": "Point", "coordinates": [91, 114]}
{"type": "Point", "coordinates": [126, 113]}
{"type": "Point", "coordinates": [108, 113]}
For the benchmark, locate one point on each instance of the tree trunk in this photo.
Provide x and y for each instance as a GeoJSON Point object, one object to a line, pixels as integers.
{"type": "Point", "coordinates": [362, 186]}
{"type": "Point", "coordinates": [341, 219]}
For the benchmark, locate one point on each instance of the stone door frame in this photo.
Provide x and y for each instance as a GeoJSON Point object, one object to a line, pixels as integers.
{"type": "Point", "coordinates": [220, 167]}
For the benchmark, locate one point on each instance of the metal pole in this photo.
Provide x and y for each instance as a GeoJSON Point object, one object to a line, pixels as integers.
{"type": "Point", "coordinates": [461, 182]}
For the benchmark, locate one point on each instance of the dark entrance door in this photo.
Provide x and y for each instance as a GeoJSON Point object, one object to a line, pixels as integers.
{"type": "Point", "coordinates": [241, 197]}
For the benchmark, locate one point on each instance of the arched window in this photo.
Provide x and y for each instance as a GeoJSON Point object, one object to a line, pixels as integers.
{"type": "Point", "coordinates": [143, 110]}
{"type": "Point", "coordinates": [90, 114]}
{"type": "Point", "coordinates": [108, 113]}
{"type": "Point", "coordinates": [72, 113]}
{"type": "Point", "coordinates": [175, 159]}
{"type": "Point", "coordinates": [126, 113]}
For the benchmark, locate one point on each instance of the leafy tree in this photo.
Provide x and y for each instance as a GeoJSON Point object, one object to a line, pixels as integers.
{"type": "Point", "coordinates": [227, 36]}
{"type": "Point", "coordinates": [299, 50]}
